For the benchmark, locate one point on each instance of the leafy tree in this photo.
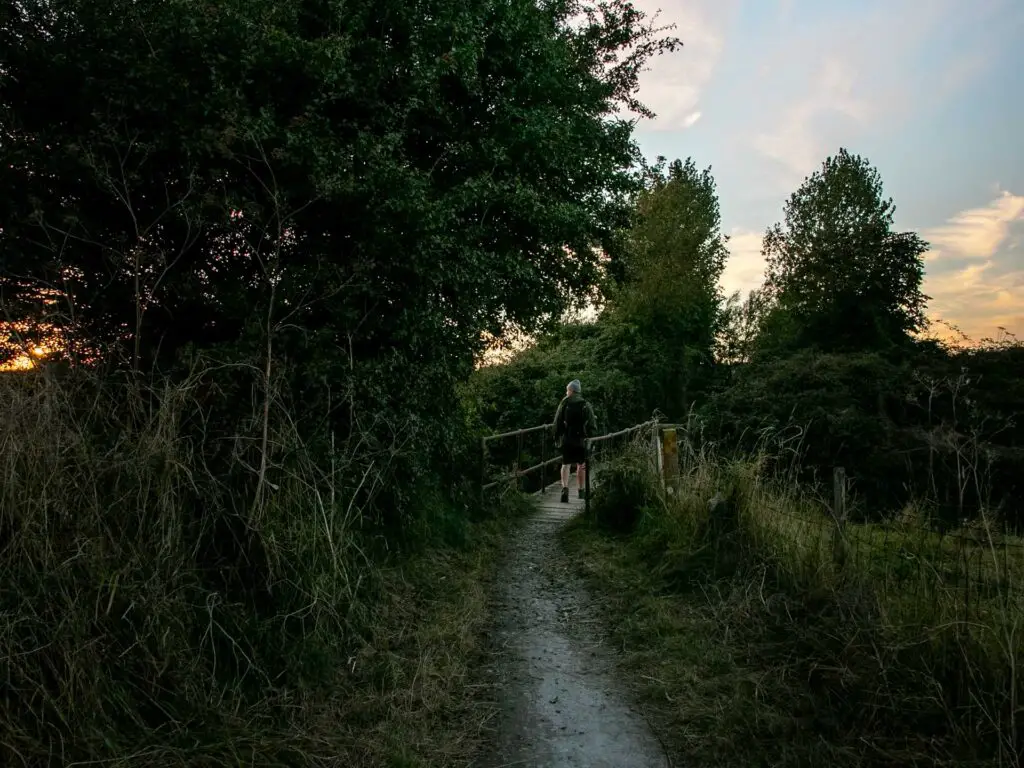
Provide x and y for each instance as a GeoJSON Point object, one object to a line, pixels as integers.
{"type": "Point", "coordinates": [670, 298]}
{"type": "Point", "coordinates": [652, 342]}
{"type": "Point", "coordinates": [342, 196]}
{"type": "Point", "coordinates": [837, 273]}
{"type": "Point", "coordinates": [740, 323]}
{"type": "Point", "coordinates": [675, 246]}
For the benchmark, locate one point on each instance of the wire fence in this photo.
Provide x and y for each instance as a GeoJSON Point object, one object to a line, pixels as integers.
{"type": "Point", "coordinates": [917, 567]}
{"type": "Point", "coordinates": [961, 575]}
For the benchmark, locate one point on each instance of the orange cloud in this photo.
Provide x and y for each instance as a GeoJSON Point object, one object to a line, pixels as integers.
{"type": "Point", "coordinates": [977, 233]}
{"type": "Point", "coordinates": [978, 301]}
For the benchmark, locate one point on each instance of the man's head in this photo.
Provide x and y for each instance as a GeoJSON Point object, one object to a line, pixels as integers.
{"type": "Point", "coordinates": [573, 387]}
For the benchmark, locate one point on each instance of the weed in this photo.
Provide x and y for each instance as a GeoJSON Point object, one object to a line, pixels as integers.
{"type": "Point", "coordinates": [754, 639]}
{"type": "Point", "coordinates": [151, 614]}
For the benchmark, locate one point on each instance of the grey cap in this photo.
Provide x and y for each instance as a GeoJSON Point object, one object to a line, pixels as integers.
{"type": "Point", "coordinates": [574, 386]}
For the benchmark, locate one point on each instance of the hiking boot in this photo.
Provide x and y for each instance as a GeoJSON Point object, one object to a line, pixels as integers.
{"type": "Point", "coordinates": [565, 495]}
{"type": "Point", "coordinates": [581, 492]}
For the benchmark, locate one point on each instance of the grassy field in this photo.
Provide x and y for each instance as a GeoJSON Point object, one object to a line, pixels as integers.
{"type": "Point", "coordinates": [760, 636]}
{"type": "Point", "coordinates": [149, 616]}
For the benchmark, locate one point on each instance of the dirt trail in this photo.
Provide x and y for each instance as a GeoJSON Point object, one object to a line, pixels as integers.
{"type": "Point", "coordinates": [560, 706]}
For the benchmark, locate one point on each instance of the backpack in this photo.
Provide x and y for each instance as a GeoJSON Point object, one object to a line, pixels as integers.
{"type": "Point", "coordinates": [575, 418]}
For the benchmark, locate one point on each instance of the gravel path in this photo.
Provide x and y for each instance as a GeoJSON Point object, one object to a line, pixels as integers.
{"type": "Point", "coordinates": [560, 706]}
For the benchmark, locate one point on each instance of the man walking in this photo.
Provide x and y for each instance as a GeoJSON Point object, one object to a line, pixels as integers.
{"type": "Point", "coordinates": [574, 423]}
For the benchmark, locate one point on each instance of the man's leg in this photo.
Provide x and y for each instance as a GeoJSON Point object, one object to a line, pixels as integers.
{"type": "Point", "coordinates": [565, 482]}
{"type": "Point", "coordinates": [581, 477]}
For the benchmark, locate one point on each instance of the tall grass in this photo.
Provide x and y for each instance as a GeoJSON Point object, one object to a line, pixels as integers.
{"type": "Point", "coordinates": [881, 644]}
{"type": "Point", "coordinates": [169, 598]}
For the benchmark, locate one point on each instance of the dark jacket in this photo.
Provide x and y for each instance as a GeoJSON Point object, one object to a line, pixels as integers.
{"type": "Point", "coordinates": [589, 423]}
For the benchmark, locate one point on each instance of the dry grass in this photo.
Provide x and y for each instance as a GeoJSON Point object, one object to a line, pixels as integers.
{"type": "Point", "coordinates": [153, 614]}
{"type": "Point", "coordinates": [760, 637]}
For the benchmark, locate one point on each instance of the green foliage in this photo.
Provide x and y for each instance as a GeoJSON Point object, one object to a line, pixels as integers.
{"type": "Point", "coordinates": [825, 352]}
{"type": "Point", "coordinates": [354, 140]}
{"type": "Point", "coordinates": [670, 294]}
{"type": "Point", "coordinates": [630, 488]}
{"type": "Point", "coordinates": [677, 252]}
{"type": "Point", "coordinates": [839, 276]}
{"type": "Point", "coordinates": [149, 615]}
{"type": "Point", "coordinates": [336, 199]}
{"type": "Point", "coordinates": [652, 345]}
{"type": "Point", "coordinates": [294, 220]}
{"type": "Point", "coordinates": [142, 601]}
{"type": "Point", "coordinates": [937, 427]}
{"type": "Point", "coordinates": [750, 643]}
{"type": "Point", "coordinates": [527, 390]}
{"type": "Point", "coordinates": [741, 321]}
{"type": "Point", "coordinates": [835, 403]}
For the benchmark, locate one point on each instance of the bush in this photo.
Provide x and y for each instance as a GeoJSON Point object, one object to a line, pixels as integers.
{"type": "Point", "coordinates": [169, 601]}
{"type": "Point", "coordinates": [630, 488]}
{"type": "Point", "coordinates": [911, 429]}
{"type": "Point", "coordinates": [888, 636]}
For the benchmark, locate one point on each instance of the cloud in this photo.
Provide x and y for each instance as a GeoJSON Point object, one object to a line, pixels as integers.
{"type": "Point", "coordinates": [975, 272]}
{"type": "Point", "coordinates": [978, 296]}
{"type": "Point", "coordinates": [690, 119]}
{"type": "Point", "coordinates": [977, 299]}
{"type": "Point", "coordinates": [794, 142]}
{"type": "Point", "coordinates": [744, 270]}
{"type": "Point", "coordinates": [977, 233]}
{"type": "Point", "coordinates": [675, 83]}
{"type": "Point", "coordinates": [838, 77]}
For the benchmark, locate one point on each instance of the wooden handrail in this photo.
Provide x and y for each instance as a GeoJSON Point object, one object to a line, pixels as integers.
{"type": "Point", "coordinates": [517, 432]}
{"type": "Point", "coordinates": [519, 473]}
{"type": "Point", "coordinates": [608, 436]}
{"type": "Point", "coordinates": [622, 432]}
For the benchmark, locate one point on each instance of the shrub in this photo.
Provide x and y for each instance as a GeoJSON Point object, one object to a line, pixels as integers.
{"type": "Point", "coordinates": [886, 634]}
{"type": "Point", "coordinates": [169, 600]}
{"type": "Point", "coordinates": [629, 489]}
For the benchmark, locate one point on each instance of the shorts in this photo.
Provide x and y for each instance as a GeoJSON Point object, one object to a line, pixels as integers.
{"type": "Point", "coordinates": [574, 454]}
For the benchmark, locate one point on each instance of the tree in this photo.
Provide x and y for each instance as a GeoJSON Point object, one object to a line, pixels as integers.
{"type": "Point", "coordinates": [349, 194]}
{"type": "Point", "coordinates": [668, 300]}
{"type": "Point", "coordinates": [740, 323]}
{"type": "Point", "coordinates": [675, 245]}
{"type": "Point", "coordinates": [837, 274]}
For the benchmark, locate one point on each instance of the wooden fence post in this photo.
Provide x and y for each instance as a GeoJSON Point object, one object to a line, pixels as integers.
{"type": "Point", "coordinates": [588, 462]}
{"type": "Point", "coordinates": [519, 460]}
{"type": "Point", "coordinates": [670, 458]}
{"type": "Point", "coordinates": [840, 546]}
{"type": "Point", "coordinates": [543, 458]}
{"type": "Point", "coordinates": [483, 467]}
{"type": "Point", "coordinates": [655, 449]}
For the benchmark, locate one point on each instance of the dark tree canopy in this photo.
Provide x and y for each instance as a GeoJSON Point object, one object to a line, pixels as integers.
{"type": "Point", "coordinates": [375, 175]}
{"type": "Point", "coordinates": [836, 269]}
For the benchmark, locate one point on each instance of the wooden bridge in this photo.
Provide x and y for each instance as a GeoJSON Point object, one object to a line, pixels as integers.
{"type": "Point", "coordinates": [542, 477]}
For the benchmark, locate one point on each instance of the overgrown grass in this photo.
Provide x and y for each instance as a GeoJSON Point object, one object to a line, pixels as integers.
{"type": "Point", "coordinates": [760, 635]}
{"type": "Point", "coordinates": [153, 614]}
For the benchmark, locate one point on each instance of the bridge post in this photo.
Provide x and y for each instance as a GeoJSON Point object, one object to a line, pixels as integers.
{"type": "Point", "coordinates": [543, 458]}
{"type": "Point", "coordinates": [590, 470]}
{"type": "Point", "coordinates": [670, 458]}
{"type": "Point", "coordinates": [519, 460]}
{"type": "Point", "coordinates": [483, 467]}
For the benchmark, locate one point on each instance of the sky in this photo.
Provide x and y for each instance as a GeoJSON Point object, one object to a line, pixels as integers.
{"type": "Point", "coordinates": [931, 92]}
